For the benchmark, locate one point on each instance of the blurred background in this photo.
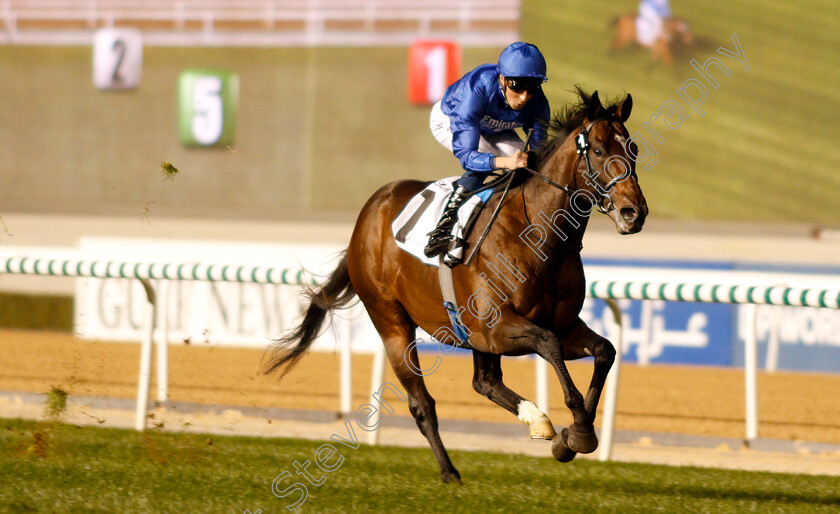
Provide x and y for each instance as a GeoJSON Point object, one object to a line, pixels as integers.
{"type": "Point", "coordinates": [323, 119]}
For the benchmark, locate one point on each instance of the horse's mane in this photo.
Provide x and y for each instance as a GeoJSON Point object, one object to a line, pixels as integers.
{"type": "Point", "coordinates": [568, 119]}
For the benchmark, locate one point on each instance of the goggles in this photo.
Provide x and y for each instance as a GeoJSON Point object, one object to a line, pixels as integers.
{"type": "Point", "coordinates": [520, 84]}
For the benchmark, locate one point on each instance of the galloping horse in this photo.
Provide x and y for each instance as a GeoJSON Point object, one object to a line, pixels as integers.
{"type": "Point", "coordinates": [540, 267]}
{"type": "Point", "coordinates": [676, 36]}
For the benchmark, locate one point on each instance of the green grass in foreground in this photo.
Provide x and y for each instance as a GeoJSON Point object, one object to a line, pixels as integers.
{"type": "Point", "coordinates": [64, 468]}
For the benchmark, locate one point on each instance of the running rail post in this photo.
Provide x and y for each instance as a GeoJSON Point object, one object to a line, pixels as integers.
{"type": "Point", "coordinates": [750, 373]}
{"type": "Point", "coordinates": [541, 373]}
{"type": "Point", "coordinates": [145, 358]}
{"type": "Point", "coordinates": [611, 399]}
{"type": "Point", "coordinates": [163, 344]}
{"type": "Point", "coordinates": [377, 377]}
{"type": "Point", "coordinates": [346, 365]}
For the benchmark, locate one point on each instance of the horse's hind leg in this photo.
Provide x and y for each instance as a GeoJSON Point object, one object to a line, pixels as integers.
{"type": "Point", "coordinates": [487, 381]}
{"type": "Point", "coordinates": [397, 329]}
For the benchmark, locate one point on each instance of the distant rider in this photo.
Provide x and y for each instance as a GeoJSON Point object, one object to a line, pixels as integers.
{"type": "Point", "coordinates": [651, 20]}
{"type": "Point", "coordinates": [476, 120]}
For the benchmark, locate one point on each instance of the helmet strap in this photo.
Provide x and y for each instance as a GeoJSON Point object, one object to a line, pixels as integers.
{"type": "Point", "coordinates": [503, 87]}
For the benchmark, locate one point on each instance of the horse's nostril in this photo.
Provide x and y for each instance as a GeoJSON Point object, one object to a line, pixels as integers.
{"type": "Point", "coordinates": [628, 213]}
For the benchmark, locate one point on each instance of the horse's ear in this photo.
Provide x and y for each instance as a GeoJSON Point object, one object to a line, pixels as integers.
{"type": "Point", "coordinates": [593, 107]}
{"type": "Point", "coordinates": [623, 111]}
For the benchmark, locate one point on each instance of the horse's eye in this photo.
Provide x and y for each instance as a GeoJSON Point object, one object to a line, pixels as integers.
{"type": "Point", "coordinates": [597, 151]}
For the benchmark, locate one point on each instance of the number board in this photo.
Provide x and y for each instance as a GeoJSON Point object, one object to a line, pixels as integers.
{"type": "Point", "coordinates": [207, 105]}
{"type": "Point", "coordinates": [117, 58]}
{"type": "Point", "coordinates": [432, 67]}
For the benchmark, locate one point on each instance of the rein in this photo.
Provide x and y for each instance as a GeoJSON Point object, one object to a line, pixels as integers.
{"type": "Point", "coordinates": [582, 145]}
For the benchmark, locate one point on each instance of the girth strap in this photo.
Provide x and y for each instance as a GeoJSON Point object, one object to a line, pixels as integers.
{"type": "Point", "coordinates": [450, 303]}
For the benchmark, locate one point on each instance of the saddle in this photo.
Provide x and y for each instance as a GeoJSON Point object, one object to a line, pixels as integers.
{"type": "Point", "coordinates": [420, 215]}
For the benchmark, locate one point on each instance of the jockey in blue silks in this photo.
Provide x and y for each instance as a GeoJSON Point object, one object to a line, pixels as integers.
{"type": "Point", "coordinates": [476, 120]}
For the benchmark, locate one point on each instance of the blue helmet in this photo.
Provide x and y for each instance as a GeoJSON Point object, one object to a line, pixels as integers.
{"type": "Point", "coordinates": [522, 60]}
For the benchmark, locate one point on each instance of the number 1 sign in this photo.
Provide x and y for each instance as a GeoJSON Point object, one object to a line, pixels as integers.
{"type": "Point", "coordinates": [207, 105]}
{"type": "Point", "coordinates": [432, 67]}
{"type": "Point", "coordinates": [117, 58]}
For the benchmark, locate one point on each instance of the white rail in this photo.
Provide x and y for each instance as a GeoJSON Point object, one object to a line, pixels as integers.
{"type": "Point", "coordinates": [53, 264]}
{"type": "Point", "coordinates": [262, 22]}
{"type": "Point", "coordinates": [710, 286]}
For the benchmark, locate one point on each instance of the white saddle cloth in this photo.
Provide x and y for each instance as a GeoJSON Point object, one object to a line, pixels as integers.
{"type": "Point", "coordinates": [421, 214]}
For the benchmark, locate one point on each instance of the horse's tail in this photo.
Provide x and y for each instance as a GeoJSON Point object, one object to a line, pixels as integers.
{"type": "Point", "coordinates": [336, 293]}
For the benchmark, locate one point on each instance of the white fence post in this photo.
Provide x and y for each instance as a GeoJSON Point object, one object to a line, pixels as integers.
{"type": "Point", "coordinates": [611, 389]}
{"type": "Point", "coordinates": [541, 373]}
{"type": "Point", "coordinates": [772, 358]}
{"type": "Point", "coordinates": [346, 365]}
{"type": "Point", "coordinates": [145, 358]}
{"type": "Point", "coordinates": [377, 377]}
{"type": "Point", "coordinates": [750, 373]}
{"type": "Point", "coordinates": [163, 343]}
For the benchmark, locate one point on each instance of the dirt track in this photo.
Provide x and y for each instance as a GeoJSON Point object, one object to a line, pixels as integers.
{"type": "Point", "coordinates": [681, 399]}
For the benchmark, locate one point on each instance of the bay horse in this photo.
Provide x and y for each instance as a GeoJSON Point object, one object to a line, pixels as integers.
{"type": "Point", "coordinates": [538, 314]}
{"type": "Point", "coordinates": [676, 36]}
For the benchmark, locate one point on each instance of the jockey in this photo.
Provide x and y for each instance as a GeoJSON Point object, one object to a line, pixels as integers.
{"type": "Point", "coordinates": [651, 20]}
{"type": "Point", "coordinates": [476, 119]}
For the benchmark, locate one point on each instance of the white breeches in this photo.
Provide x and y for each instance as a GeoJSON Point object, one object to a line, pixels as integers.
{"type": "Point", "coordinates": [506, 142]}
{"type": "Point", "coordinates": [648, 26]}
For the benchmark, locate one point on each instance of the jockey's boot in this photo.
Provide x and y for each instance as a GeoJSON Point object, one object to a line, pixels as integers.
{"type": "Point", "coordinates": [440, 237]}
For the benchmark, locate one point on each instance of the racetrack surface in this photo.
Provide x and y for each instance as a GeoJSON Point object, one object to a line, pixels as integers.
{"type": "Point", "coordinates": [225, 392]}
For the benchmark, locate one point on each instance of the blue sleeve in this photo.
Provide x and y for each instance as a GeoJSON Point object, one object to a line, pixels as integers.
{"type": "Point", "coordinates": [465, 120]}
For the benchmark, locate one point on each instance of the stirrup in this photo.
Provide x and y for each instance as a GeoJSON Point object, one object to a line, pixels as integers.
{"type": "Point", "coordinates": [438, 244]}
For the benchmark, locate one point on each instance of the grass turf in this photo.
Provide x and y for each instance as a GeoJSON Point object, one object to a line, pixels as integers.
{"type": "Point", "coordinates": [54, 467]}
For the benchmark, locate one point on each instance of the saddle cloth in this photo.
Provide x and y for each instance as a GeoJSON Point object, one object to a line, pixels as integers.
{"type": "Point", "coordinates": [421, 214]}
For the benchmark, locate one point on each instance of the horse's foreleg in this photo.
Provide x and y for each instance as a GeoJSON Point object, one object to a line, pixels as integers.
{"type": "Point", "coordinates": [487, 381]}
{"type": "Point", "coordinates": [584, 342]}
{"type": "Point", "coordinates": [580, 437]}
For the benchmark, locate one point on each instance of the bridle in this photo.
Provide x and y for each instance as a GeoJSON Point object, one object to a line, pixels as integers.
{"type": "Point", "coordinates": [604, 203]}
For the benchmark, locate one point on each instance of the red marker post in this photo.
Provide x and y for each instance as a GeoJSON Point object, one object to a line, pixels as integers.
{"type": "Point", "coordinates": [432, 66]}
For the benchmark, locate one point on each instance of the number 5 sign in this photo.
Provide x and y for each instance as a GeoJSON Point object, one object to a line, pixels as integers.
{"type": "Point", "coordinates": [117, 58]}
{"type": "Point", "coordinates": [432, 67]}
{"type": "Point", "coordinates": [207, 104]}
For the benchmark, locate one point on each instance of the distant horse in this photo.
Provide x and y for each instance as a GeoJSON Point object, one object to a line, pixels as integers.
{"type": "Point", "coordinates": [676, 36]}
{"type": "Point", "coordinates": [540, 289]}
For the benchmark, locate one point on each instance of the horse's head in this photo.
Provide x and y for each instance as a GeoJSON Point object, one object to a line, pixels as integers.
{"type": "Point", "coordinates": [594, 155]}
{"type": "Point", "coordinates": [607, 163]}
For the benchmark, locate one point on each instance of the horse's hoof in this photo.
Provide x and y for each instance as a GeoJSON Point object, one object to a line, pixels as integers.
{"type": "Point", "coordinates": [542, 429]}
{"type": "Point", "coordinates": [452, 476]}
{"type": "Point", "coordinates": [560, 449]}
{"type": "Point", "coordinates": [582, 439]}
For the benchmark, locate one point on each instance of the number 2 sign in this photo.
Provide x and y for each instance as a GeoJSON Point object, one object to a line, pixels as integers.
{"type": "Point", "coordinates": [207, 105]}
{"type": "Point", "coordinates": [117, 58]}
{"type": "Point", "coordinates": [432, 67]}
